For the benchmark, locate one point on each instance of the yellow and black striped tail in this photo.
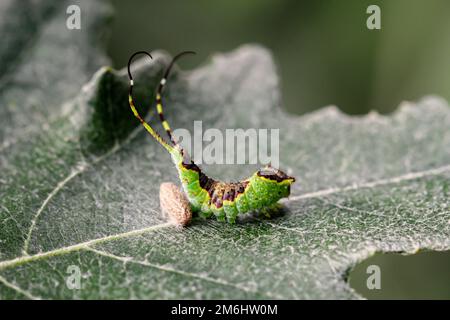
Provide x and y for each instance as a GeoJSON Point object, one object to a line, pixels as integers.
{"type": "Point", "coordinates": [150, 130]}
{"type": "Point", "coordinates": [164, 123]}
{"type": "Point", "coordinates": [159, 104]}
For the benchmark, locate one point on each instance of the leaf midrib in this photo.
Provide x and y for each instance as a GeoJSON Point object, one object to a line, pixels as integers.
{"type": "Point", "coordinates": [317, 194]}
{"type": "Point", "coordinates": [80, 168]}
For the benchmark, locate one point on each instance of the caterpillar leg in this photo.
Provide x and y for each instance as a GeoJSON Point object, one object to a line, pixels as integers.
{"type": "Point", "coordinates": [231, 212]}
{"type": "Point", "coordinates": [265, 213]}
{"type": "Point", "coordinates": [268, 212]}
{"type": "Point", "coordinates": [205, 214]}
{"type": "Point", "coordinates": [231, 220]}
{"type": "Point", "coordinates": [220, 215]}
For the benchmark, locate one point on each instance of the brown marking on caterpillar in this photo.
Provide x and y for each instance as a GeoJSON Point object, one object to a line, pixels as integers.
{"type": "Point", "coordinates": [175, 204]}
{"type": "Point", "coordinates": [229, 193]}
{"type": "Point", "coordinates": [187, 163]}
{"type": "Point", "coordinates": [274, 174]}
{"type": "Point", "coordinates": [217, 191]}
{"type": "Point", "coordinates": [221, 191]}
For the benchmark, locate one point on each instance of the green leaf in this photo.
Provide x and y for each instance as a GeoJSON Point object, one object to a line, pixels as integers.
{"type": "Point", "coordinates": [80, 178]}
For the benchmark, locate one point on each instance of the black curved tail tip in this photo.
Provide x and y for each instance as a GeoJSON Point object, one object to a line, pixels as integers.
{"type": "Point", "coordinates": [131, 59]}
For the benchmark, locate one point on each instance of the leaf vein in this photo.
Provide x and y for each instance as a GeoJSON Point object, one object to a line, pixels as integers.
{"type": "Point", "coordinates": [169, 269]}
{"type": "Point", "coordinates": [371, 184]}
{"type": "Point", "coordinates": [79, 246]}
{"type": "Point", "coordinates": [83, 245]}
{"type": "Point", "coordinates": [81, 167]}
{"type": "Point", "coordinates": [18, 289]}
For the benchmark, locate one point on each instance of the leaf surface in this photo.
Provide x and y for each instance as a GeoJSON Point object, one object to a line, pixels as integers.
{"type": "Point", "coordinates": [80, 180]}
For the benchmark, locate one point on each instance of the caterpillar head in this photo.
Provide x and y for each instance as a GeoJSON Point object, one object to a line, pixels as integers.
{"type": "Point", "coordinates": [276, 180]}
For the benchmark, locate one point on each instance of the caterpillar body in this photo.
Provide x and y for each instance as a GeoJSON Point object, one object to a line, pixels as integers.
{"type": "Point", "coordinates": [209, 197]}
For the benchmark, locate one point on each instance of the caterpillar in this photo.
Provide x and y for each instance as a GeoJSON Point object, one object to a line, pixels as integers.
{"type": "Point", "coordinates": [209, 197]}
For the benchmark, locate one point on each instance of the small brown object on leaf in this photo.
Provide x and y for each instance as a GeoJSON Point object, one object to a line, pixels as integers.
{"type": "Point", "coordinates": [175, 204]}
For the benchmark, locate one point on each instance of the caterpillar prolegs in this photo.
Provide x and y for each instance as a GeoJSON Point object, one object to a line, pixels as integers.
{"type": "Point", "coordinates": [208, 197]}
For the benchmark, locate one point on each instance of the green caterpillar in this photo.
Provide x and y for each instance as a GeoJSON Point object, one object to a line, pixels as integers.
{"type": "Point", "coordinates": [208, 196]}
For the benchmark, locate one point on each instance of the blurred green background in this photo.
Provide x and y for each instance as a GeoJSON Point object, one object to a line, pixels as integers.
{"type": "Point", "coordinates": [325, 55]}
{"type": "Point", "coordinates": [324, 51]}
{"type": "Point", "coordinates": [424, 275]}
